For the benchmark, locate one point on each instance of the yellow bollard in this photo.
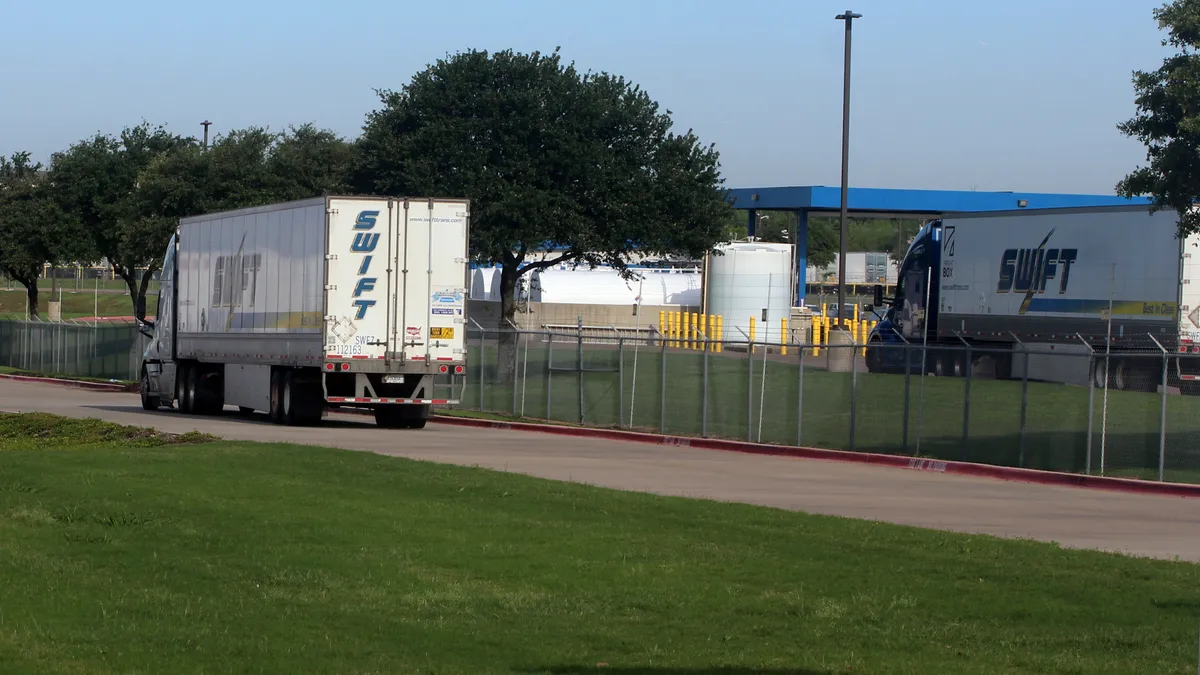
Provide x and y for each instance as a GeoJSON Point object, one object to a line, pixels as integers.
{"type": "Point", "coordinates": [704, 329]}
{"type": "Point", "coordinates": [662, 323]}
{"type": "Point", "coordinates": [672, 326]}
{"type": "Point", "coordinates": [783, 340]}
{"type": "Point", "coordinates": [678, 329]}
{"type": "Point", "coordinates": [695, 345]}
{"type": "Point", "coordinates": [720, 332]}
{"type": "Point", "coordinates": [751, 334]}
{"type": "Point", "coordinates": [816, 335]}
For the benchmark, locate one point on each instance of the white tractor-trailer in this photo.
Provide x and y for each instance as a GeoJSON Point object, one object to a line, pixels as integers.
{"type": "Point", "coordinates": [295, 307]}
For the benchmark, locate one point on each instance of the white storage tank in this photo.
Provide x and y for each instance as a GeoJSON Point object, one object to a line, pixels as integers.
{"type": "Point", "coordinates": [606, 287]}
{"type": "Point", "coordinates": [746, 280]}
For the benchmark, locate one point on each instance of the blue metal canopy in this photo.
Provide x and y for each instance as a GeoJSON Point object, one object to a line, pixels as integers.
{"type": "Point", "coordinates": [911, 202]}
{"type": "Point", "coordinates": [883, 202]}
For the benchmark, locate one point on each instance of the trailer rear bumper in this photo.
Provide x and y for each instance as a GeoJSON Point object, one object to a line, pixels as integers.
{"type": "Point", "coordinates": [348, 400]}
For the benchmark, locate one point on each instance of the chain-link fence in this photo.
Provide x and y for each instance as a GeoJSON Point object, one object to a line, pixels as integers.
{"type": "Point", "coordinates": [1042, 408]}
{"type": "Point", "coordinates": [104, 350]}
{"type": "Point", "coordinates": [1034, 407]}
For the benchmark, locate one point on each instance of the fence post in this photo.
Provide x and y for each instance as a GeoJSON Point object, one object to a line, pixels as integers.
{"type": "Point", "coordinates": [662, 390]}
{"type": "Point", "coordinates": [966, 434]}
{"type": "Point", "coordinates": [515, 367]}
{"type": "Point", "coordinates": [621, 379]}
{"type": "Point", "coordinates": [704, 387]}
{"type": "Point", "coordinates": [800, 398]}
{"type": "Point", "coordinates": [853, 388]}
{"type": "Point", "coordinates": [750, 383]}
{"type": "Point", "coordinates": [1024, 400]}
{"type": "Point", "coordinates": [549, 335]}
{"type": "Point", "coordinates": [1162, 424]}
{"type": "Point", "coordinates": [579, 363]}
{"type": "Point", "coordinates": [1087, 460]}
{"type": "Point", "coordinates": [907, 350]}
{"type": "Point", "coordinates": [482, 348]}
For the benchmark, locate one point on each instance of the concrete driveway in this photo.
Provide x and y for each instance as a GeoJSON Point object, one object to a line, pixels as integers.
{"type": "Point", "coordinates": [1162, 527]}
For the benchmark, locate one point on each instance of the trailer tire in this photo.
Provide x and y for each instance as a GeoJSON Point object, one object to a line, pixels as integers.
{"type": "Point", "coordinates": [948, 364]}
{"type": "Point", "coordinates": [149, 402]}
{"type": "Point", "coordinates": [275, 410]}
{"type": "Point", "coordinates": [1099, 373]}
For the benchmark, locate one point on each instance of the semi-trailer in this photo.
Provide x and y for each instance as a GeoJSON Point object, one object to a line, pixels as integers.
{"type": "Point", "coordinates": [1115, 282]}
{"type": "Point", "coordinates": [293, 308]}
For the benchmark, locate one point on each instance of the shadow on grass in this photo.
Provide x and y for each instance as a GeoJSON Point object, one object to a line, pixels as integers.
{"type": "Point", "coordinates": [658, 670]}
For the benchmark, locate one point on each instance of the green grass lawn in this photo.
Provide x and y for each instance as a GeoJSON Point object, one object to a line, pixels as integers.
{"type": "Point", "coordinates": [1056, 418]}
{"type": "Point", "coordinates": [74, 305]}
{"type": "Point", "coordinates": [125, 550]}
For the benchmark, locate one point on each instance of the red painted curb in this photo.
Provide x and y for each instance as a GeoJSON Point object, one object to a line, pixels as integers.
{"type": "Point", "coordinates": [895, 461]}
{"type": "Point", "coordinates": [93, 386]}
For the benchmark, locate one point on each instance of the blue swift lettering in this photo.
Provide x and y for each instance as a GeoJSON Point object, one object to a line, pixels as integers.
{"type": "Point", "coordinates": [364, 242]}
{"type": "Point", "coordinates": [1028, 270]}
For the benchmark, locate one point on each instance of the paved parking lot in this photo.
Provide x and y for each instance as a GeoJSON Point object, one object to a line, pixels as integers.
{"type": "Point", "coordinates": [1165, 527]}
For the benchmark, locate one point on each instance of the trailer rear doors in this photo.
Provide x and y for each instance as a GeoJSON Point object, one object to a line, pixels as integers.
{"type": "Point", "coordinates": [396, 279]}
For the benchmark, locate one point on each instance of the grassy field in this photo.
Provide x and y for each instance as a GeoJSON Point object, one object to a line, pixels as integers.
{"type": "Point", "coordinates": [129, 551]}
{"type": "Point", "coordinates": [1056, 417]}
{"type": "Point", "coordinates": [75, 305]}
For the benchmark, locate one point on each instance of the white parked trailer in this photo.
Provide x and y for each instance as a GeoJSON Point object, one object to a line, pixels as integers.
{"type": "Point", "coordinates": [291, 308]}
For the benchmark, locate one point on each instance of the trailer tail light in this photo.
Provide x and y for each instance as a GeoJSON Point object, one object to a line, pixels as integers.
{"type": "Point", "coordinates": [443, 369]}
{"type": "Point", "coordinates": [328, 366]}
{"type": "Point", "coordinates": [459, 370]}
{"type": "Point", "coordinates": [345, 367]}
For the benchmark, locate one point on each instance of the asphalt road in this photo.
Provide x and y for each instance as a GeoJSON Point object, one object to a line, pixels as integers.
{"type": "Point", "coordinates": [1162, 527]}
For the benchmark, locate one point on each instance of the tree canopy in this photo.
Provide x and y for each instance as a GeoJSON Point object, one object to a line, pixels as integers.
{"type": "Point", "coordinates": [33, 229]}
{"type": "Point", "coordinates": [583, 164]}
{"type": "Point", "coordinates": [1167, 121]}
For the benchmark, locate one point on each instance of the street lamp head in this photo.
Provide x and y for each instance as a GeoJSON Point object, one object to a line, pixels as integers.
{"type": "Point", "coordinates": [848, 16]}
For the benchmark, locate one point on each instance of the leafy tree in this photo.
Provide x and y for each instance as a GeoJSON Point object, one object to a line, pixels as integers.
{"type": "Point", "coordinates": [96, 182]}
{"type": "Point", "coordinates": [583, 165]}
{"type": "Point", "coordinates": [33, 229]}
{"type": "Point", "coordinates": [246, 167]}
{"type": "Point", "coordinates": [1168, 120]}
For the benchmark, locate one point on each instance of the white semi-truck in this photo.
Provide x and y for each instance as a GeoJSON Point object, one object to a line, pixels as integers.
{"type": "Point", "coordinates": [296, 307]}
{"type": "Point", "coordinates": [1115, 281]}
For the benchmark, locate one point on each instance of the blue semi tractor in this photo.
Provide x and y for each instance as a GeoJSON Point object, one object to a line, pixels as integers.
{"type": "Point", "coordinates": [1002, 292]}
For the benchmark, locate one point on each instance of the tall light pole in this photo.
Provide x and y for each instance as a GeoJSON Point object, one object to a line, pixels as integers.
{"type": "Point", "coordinates": [205, 124]}
{"type": "Point", "coordinates": [849, 18]}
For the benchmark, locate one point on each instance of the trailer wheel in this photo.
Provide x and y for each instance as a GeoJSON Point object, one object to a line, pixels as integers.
{"type": "Point", "coordinates": [275, 412]}
{"type": "Point", "coordinates": [948, 364]}
{"type": "Point", "coordinates": [148, 402]}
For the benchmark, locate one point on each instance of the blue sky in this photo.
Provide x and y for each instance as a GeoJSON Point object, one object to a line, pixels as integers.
{"type": "Point", "coordinates": [1015, 95]}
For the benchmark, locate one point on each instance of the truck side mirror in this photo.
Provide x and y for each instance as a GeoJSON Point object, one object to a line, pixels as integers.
{"type": "Point", "coordinates": [878, 299]}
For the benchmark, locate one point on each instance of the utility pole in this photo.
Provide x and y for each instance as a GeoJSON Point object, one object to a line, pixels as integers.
{"type": "Point", "coordinates": [849, 18]}
{"type": "Point", "coordinates": [205, 124]}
